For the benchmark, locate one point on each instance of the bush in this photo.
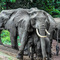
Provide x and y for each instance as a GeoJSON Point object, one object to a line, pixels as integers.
{"type": "Point", "coordinates": [5, 37]}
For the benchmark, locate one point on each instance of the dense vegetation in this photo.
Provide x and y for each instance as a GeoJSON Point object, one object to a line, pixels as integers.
{"type": "Point", "coordinates": [5, 37]}
{"type": "Point", "coordinates": [51, 6]}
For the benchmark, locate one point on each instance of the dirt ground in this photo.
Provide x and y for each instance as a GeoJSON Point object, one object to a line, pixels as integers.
{"type": "Point", "coordinates": [7, 53]}
{"type": "Point", "coordinates": [54, 57]}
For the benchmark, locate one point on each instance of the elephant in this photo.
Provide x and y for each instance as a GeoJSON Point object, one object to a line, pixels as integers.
{"type": "Point", "coordinates": [5, 15]}
{"type": "Point", "coordinates": [35, 41]}
{"type": "Point", "coordinates": [41, 21]}
{"type": "Point", "coordinates": [58, 28]}
{"type": "Point", "coordinates": [19, 22]}
{"type": "Point", "coordinates": [6, 22]}
{"type": "Point", "coordinates": [44, 25]}
{"type": "Point", "coordinates": [34, 45]}
{"type": "Point", "coordinates": [56, 34]}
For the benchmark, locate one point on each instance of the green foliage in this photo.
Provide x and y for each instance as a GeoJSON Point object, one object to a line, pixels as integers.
{"type": "Point", "coordinates": [5, 37]}
{"type": "Point", "coordinates": [13, 1]}
{"type": "Point", "coordinates": [3, 0]}
{"type": "Point", "coordinates": [9, 1]}
{"type": "Point", "coordinates": [2, 6]}
{"type": "Point", "coordinates": [5, 4]}
{"type": "Point", "coordinates": [51, 6]}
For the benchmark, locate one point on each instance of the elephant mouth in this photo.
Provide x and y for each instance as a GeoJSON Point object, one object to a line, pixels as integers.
{"type": "Point", "coordinates": [41, 35]}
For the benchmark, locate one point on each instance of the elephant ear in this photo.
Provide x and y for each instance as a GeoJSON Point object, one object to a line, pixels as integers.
{"type": "Point", "coordinates": [50, 19]}
{"type": "Point", "coordinates": [33, 18]}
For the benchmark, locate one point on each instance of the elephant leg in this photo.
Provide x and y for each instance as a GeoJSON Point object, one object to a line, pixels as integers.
{"type": "Point", "coordinates": [13, 41]}
{"type": "Point", "coordinates": [48, 48]}
{"type": "Point", "coordinates": [23, 38]}
{"type": "Point", "coordinates": [43, 48]}
{"type": "Point", "coordinates": [21, 50]}
{"type": "Point", "coordinates": [39, 54]}
{"type": "Point", "coordinates": [0, 39]}
{"type": "Point", "coordinates": [51, 47]}
{"type": "Point", "coordinates": [16, 43]}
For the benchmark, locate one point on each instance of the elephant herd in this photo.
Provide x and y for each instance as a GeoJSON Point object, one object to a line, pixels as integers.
{"type": "Point", "coordinates": [30, 24]}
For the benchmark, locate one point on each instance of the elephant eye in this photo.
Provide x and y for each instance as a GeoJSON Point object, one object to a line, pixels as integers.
{"type": "Point", "coordinates": [33, 13]}
{"type": "Point", "coordinates": [33, 21]}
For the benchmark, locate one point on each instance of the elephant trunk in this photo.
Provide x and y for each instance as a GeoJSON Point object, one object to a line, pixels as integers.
{"type": "Point", "coordinates": [42, 32]}
{"type": "Point", "coordinates": [42, 36]}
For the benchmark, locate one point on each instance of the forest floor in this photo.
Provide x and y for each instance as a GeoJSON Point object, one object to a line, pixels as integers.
{"type": "Point", "coordinates": [54, 57]}
{"type": "Point", "coordinates": [7, 53]}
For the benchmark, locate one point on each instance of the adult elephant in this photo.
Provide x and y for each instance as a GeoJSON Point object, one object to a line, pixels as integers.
{"type": "Point", "coordinates": [56, 34]}
{"type": "Point", "coordinates": [6, 22]}
{"type": "Point", "coordinates": [58, 27]}
{"type": "Point", "coordinates": [41, 21]}
{"type": "Point", "coordinates": [35, 42]}
{"type": "Point", "coordinates": [5, 15]}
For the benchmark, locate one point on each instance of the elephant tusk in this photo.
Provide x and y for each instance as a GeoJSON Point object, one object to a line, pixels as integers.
{"type": "Point", "coordinates": [39, 34]}
{"type": "Point", "coordinates": [47, 32]}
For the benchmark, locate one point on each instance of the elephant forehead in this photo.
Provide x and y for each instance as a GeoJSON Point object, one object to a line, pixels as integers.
{"type": "Point", "coordinates": [41, 19]}
{"type": "Point", "coordinates": [40, 14]}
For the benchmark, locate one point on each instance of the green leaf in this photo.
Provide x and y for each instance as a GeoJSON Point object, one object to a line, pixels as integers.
{"type": "Point", "coordinates": [3, 0]}
{"type": "Point", "coordinates": [12, 1]}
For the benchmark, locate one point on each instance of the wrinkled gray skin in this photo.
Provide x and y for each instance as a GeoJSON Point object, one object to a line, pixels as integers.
{"type": "Point", "coordinates": [58, 27]}
{"type": "Point", "coordinates": [6, 22]}
{"type": "Point", "coordinates": [21, 21]}
{"type": "Point", "coordinates": [5, 15]}
{"type": "Point", "coordinates": [38, 19]}
{"type": "Point", "coordinates": [37, 44]}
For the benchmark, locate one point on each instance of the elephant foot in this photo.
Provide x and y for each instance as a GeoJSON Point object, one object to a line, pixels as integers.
{"type": "Point", "coordinates": [50, 59]}
{"type": "Point", "coordinates": [1, 43]}
{"type": "Point", "coordinates": [44, 58]}
{"type": "Point", "coordinates": [39, 58]}
{"type": "Point", "coordinates": [39, 54]}
{"type": "Point", "coordinates": [50, 55]}
{"type": "Point", "coordinates": [14, 47]}
{"type": "Point", "coordinates": [25, 52]}
{"type": "Point", "coordinates": [20, 56]}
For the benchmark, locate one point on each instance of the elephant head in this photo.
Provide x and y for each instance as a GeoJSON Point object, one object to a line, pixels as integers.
{"type": "Point", "coordinates": [5, 15]}
{"type": "Point", "coordinates": [41, 21]}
